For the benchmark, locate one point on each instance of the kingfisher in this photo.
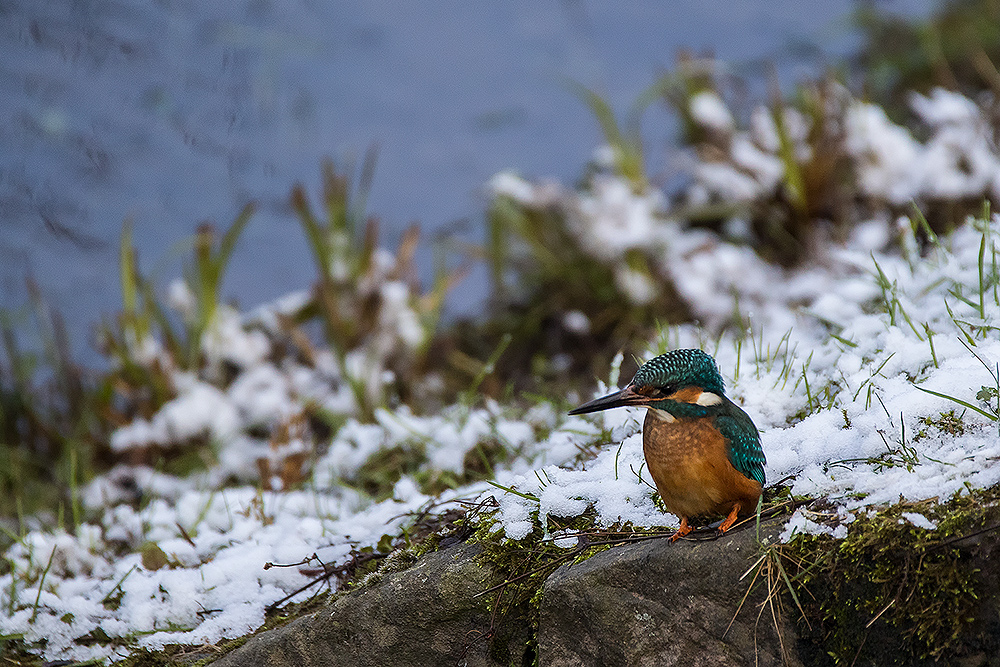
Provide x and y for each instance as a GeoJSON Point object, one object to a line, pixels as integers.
{"type": "Point", "coordinates": [701, 449]}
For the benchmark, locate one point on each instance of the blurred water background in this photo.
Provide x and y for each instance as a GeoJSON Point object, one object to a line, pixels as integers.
{"type": "Point", "coordinates": [171, 112]}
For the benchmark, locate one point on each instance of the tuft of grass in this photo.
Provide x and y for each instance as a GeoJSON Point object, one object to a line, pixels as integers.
{"type": "Point", "coordinates": [357, 279]}
{"type": "Point", "coordinates": [52, 426]}
{"type": "Point", "coordinates": [543, 273]}
{"type": "Point", "coordinates": [772, 570]}
{"type": "Point", "coordinates": [988, 395]}
{"type": "Point", "coordinates": [144, 323]}
{"type": "Point", "coordinates": [956, 47]}
{"type": "Point", "coordinates": [816, 182]}
{"type": "Point", "coordinates": [624, 139]}
{"type": "Point", "coordinates": [893, 306]}
{"type": "Point", "coordinates": [145, 344]}
{"type": "Point", "coordinates": [206, 273]}
{"type": "Point", "coordinates": [691, 75]}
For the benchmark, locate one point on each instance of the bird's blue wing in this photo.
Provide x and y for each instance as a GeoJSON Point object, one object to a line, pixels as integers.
{"type": "Point", "coordinates": [742, 443]}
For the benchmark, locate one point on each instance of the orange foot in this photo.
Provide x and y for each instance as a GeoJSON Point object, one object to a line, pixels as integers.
{"type": "Point", "coordinates": [682, 531]}
{"type": "Point", "coordinates": [730, 520]}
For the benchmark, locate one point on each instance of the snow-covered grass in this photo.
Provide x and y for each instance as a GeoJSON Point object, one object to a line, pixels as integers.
{"type": "Point", "coordinates": [211, 582]}
{"type": "Point", "coordinates": [871, 372]}
{"type": "Point", "coordinates": [848, 370]}
{"type": "Point", "coordinates": [835, 377]}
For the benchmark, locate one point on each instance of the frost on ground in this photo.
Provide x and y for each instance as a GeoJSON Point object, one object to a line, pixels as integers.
{"type": "Point", "coordinates": [845, 365]}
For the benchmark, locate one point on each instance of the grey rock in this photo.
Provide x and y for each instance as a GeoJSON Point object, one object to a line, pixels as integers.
{"type": "Point", "coordinates": [425, 615]}
{"type": "Point", "coordinates": [658, 604]}
{"type": "Point", "coordinates": [653, 603]}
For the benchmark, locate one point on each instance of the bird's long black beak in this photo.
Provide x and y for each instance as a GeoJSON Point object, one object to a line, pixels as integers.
{"type": "Point", "coordinates": [626, 396]}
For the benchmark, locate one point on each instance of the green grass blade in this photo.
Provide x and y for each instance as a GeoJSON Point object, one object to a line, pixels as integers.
{"type": "Point", "coordinates": [314, 232]}
{"type": "Point", "coordinates": [128, 272]}
{"type": "Point", "coordinates": [41, 585]}
{"type": "Point", "coordinates": [965, 404]}
{"type": "Point", "coordinates": [526, 496]}
{"type": "Point", "coordinates": [229, 239]}
{"type": "Point", "coordinates": [982, 286]}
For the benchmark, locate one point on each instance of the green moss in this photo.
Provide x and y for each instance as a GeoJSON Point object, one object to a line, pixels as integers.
{"type": "Point", "coordinates": [522, 566]}
{"type": "Point", "coordinates": [946, 422]}
{"type": "Point", "coordinates": [379, 474]}
{"type": "Point", "coordinates": [14, 653]}
{"type": "Point", "coordinates": [891, 593]}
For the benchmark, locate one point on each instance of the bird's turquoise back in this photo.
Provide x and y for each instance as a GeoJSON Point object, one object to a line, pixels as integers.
{"type": "Point", "coordinates": [743, 442]}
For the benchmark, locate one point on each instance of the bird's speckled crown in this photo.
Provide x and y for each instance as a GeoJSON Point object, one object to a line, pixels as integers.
{"type": "Point", "coordinates": [681, 368]}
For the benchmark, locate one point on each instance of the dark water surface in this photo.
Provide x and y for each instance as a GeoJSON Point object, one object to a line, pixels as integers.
{"type": "Point", "coordinates": [170, 112]}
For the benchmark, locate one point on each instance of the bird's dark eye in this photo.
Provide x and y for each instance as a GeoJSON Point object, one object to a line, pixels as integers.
{"type": "Point", "coordinates": [663, 392]}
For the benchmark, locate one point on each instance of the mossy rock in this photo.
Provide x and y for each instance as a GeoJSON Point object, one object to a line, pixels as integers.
{"type": "Point", "coordinates": [892, 593]}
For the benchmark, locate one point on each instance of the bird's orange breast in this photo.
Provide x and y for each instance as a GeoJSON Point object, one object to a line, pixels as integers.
{"type": "Point", "coordinates": [688, 461]}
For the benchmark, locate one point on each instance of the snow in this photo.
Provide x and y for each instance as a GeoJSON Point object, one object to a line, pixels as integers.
{"type": "Point", "coordinates": [919, 520]}
{"type": "Point", "coordinates": [611, 219]}
{"type": "Point", "coordinates": [708, 109]}
{"type": "Point", "coordinates": [509, 184]}
{"type": "Point", "coordinates": [228, 340]}
{"type": "Point", "coordinates": [200, 410]}
{"type": "Point", "coordinates": [885, 153]}
{"type": "Point", "coordinates": [835, 361]}
{"type": "Point", "coordinates": [958, 160]}
{"type": "Point", "coordinates": [577, 322]}
{"type": "Point", "coordinates": [857, 436]}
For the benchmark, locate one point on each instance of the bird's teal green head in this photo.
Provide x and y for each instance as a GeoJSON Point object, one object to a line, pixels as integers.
{"type": "Point", "coordinates": [680, 376]}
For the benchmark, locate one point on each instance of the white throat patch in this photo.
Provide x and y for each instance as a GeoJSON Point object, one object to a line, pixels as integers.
{"type": "Point", "coordinates": [662, 415]}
